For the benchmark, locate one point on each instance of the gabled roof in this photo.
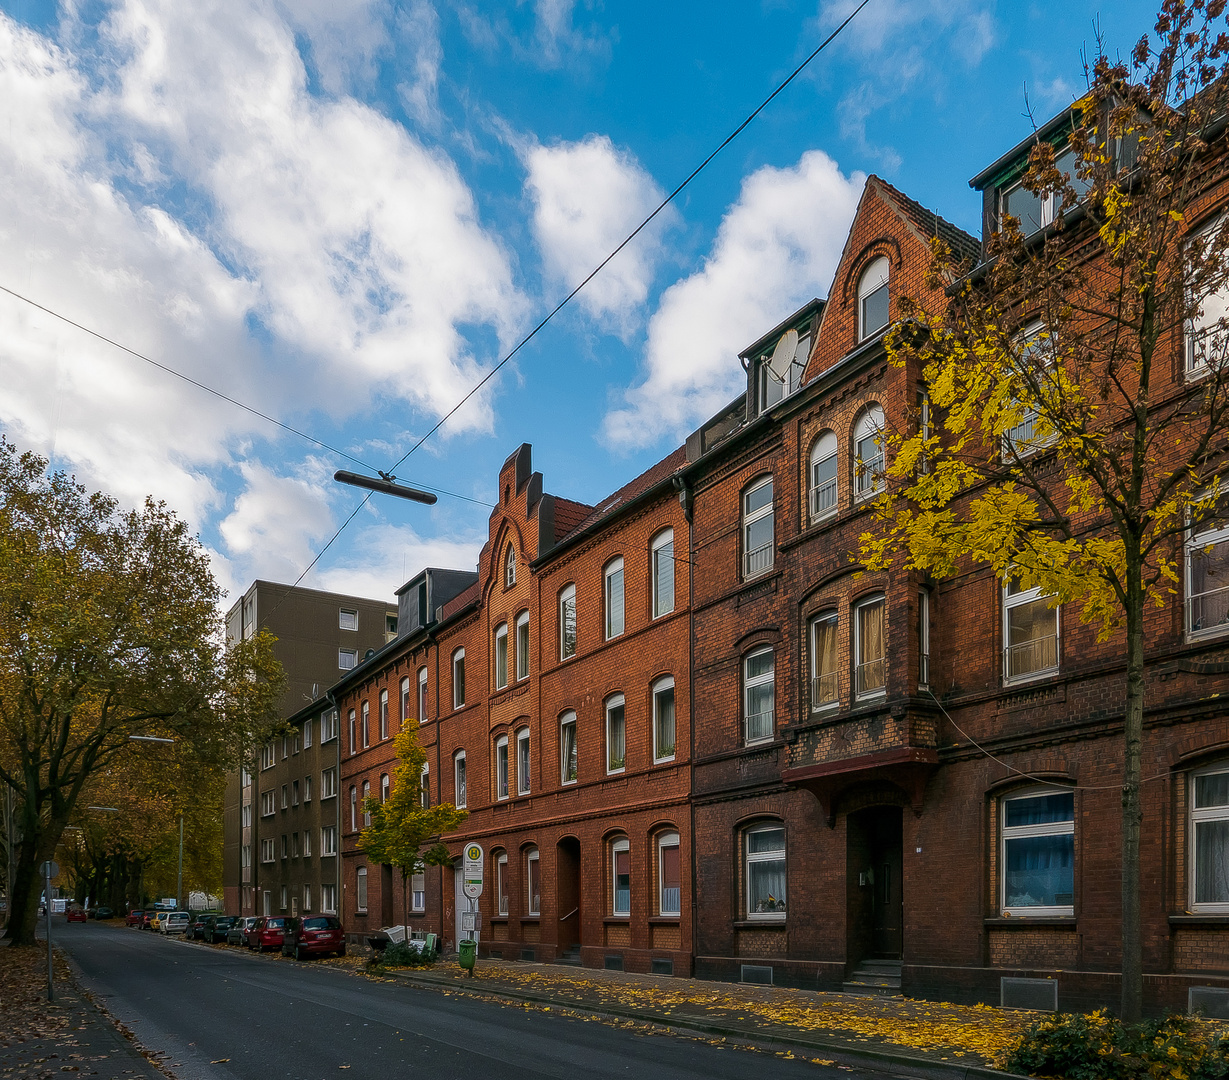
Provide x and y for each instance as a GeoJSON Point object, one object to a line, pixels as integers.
{"type": "Point", "coordinates": [928, 223]}
{"type": "Point", "coordinates": [652, 476]}
{"type": "Point", "coordinates": [569, 514]}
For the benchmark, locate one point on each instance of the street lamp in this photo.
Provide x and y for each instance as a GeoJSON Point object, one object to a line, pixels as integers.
{"type": "Point", "coordinates": [385, 484]}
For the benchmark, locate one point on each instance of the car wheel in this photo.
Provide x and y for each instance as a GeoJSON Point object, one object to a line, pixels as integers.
{"type": "Point", "coordinates": [341, 951]}
{"type": "Point", "coordinates": [298, 952]}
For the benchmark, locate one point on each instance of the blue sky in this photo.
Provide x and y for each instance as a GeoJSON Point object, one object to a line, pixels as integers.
{"type": "Point", "coordinates": [343, 212]}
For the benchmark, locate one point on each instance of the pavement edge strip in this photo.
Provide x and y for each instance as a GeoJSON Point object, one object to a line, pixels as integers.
{"type": "Point", "coordinates": [877, 1060]}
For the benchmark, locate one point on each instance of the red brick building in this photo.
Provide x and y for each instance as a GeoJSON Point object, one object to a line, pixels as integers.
{"type": "Point", "coordinates": [553, 702]}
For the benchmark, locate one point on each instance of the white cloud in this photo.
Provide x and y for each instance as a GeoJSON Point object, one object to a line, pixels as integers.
{"type": "Point", "coordinates": [777, 247]}
{"type": "Point", "coordinates": [380, 560]}
{"type": "Point", "coordinates": [419, 31]}
{"type": "Point", "coordinates": [173, 182]}
{"type": "Point", "coordinates": [587, 197]}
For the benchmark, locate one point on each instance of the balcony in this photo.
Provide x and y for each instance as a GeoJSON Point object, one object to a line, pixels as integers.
{"type": "Point", "coordinates": [1025, 659]}
{"type": "Point", "coordinates": [757, 561]}
{"type": "Point", "coordinates": [1207, 612]}
{"type": "Point", "coordinates": [758, 727]}
{"type": "Point", "coordinates": [823, 499]}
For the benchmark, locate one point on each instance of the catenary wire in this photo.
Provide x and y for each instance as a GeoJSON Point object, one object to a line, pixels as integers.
{"type": "Point", "coordinates": [216, 393]}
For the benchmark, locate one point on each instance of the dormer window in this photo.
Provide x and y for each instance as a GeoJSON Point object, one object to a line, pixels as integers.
{"type": "Point", "coordinates": [1033, 211]}
{"type": "Point", "coordinates": [770, 389]}
{"type": "Point", "coordinates": [873, 298]}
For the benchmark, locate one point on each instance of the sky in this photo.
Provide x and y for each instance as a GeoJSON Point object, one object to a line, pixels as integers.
{"type": "Point", "coordinates": [344, 214]}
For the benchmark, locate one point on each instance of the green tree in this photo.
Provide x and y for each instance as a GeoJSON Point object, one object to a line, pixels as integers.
{"type": "Point", "coordinates": [109, 628]}
{"type": "Point", "coordinates": [404, 833]}
{"type": "Point", "coordinates": [1064, 454]}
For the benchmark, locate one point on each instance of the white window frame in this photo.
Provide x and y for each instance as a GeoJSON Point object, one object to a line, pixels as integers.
{"type": "Point", "coordinates": [328, 840]}
{"type": "Point", "coordinates": [307, 843]}
{"type": "Point", "coordinates": [569, 771]}
{"type": "Point", "coordinates": [923, 639]}
{"type": "Point", "coordinates": [307, 788]}
{"type": "Point", "coordinates": [523, 761]}
{"type": "Point", "coordinates": [1197, 816]}
{"type": "Point", "coordinates": [663, 753]}
{"type": "Point", "coordinates": [750, 857]}
{"type": "Point", "coordinates": [522, 646]}
{"type": "Point", "coordinates": [1020, 599]}
{"type": "Point", "coordinates": [862, 664]}
{"type": "Point", "coordinates": [1211, 534]}
{"type": "Point", "coordinates": [418, 892]}
{"type": "Point", "coordinates": [822, 495]}
{"type": "Point", "coordinates": [501, 883]}
{"type": "Point", "coordinates": [386, 787]}
{"type": "Point", "coordinates": [353, 807]}
{"type": "Point", "coordinates": [828, 696]}
{"type": "Point", "coordinates": [664, 841]}
{"type": "Point", "coordinates": [501, 768]}
{"type": "Point", "coordinates": [267, 850]}
{"type": "Point", "coordinates": [347, 619]}
{"type": "Point", "coordinates": [383, 715]}
{"type": "Point", "coordinates": [661, 557]}
{"type": "Point", "coordinates": [360, 890]}
{"type": "Point", "coordinates": [877, 275]}
{"type": "Point", "coordinates": [617, 847]}
{"type": "Point", "coordinates": [422, 695]}
{"type": "Point", "coordinates": [307, 734]}
{"type": "Point", "coordinates": [501, 656]}
{"type": "Point", "coordinates": [761, 559]}
{"type": "Point", "coordinates": [347, 659]}
{"type": "Point", "coordinates": [509, 567]}
{"type": "Point", "coordinates": [405, 699]}
{"type": "Point", "coordinates": [366, 707]}
{"type": "Point", "coordinates": [268, 804]}
{"type": "Point", "coordinates": [285, 796]}
{"type": "Point", "coordinates": [531, 857]}
{"type": "Point", "coordinates": [614, 581]}
{"type": "Point", "coordinates": [460, 779]}
{"type": "Point", "coordinates": [1021, 441]}
{"type": "Point", "coordinates": [1196, 365]}
{"type": "Point", "coordinates": [328, 783]}
{"type": "Point", "coordinates": [753, 723]}
{"type": "Point", "coordinates": [353, 732]}
{"type": "Point", "coordinates": [330, 725]}
{"type": "Point", "coordinates": [458, 679]}
{"type": "Point", "coordinates": [424, 786]}
{"type": "Point", "coordinates": [307, 899]}
{"type": "Point", "coordinates": [328, 898]}
{"type": "Point", "coordinates": [268, 756]}
{"type": "Point", "coordinates": [567, 602]}
{"type": "Point", "coordinates": [1020, 832]}
{"type": "Point", "coordinates": [613, 703]}
{"type": "Point", "coordinates": [870, 429]}
{"type": "Point", "coordinates": [363, 804]}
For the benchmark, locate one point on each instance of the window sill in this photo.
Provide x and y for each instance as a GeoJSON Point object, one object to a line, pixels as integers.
{"type": "Point", "coordinates": [498, 919]}
{"type": "Point", "coordinates": [665, 920]}
{"type": "Point", "coordinates": [1031, 677]}
{"type": "Point", "coordinates": [1025, 922]}
{"type": "Point", "coordinates": [530, 919]}
{"type": "Point", "coordinates": [617, 920]}
{"type": "Point", "coordinates": [663, 760]}
{"type": "Point", "coordinates": [775, 923]}
{"type": "Point", "coordinates": [1217, 919]}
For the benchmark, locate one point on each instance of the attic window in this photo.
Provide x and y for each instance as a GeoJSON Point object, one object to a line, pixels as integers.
{"type": "Point", "coordinates": [873, 298]}
{"type": "Point", "coordinates": [1034, 212]}
{"type": "Point", "coordinates": [510, 567]}
{"type": "Point", "coordinates": [770, 389]}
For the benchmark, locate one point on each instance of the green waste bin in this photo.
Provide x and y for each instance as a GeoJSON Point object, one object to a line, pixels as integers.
{"type": "Point", "coordinates": [469, 952]}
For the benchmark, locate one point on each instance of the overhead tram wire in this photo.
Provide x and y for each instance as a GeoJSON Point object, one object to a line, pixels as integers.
{"type": "Point", "coordinates": [596, 270]}
{"type": "Point", "coordinates": [216, 393]}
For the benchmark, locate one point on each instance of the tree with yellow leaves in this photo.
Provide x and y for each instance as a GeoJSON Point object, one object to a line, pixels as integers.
{"type": "Point", "coordinates": [1064, 452]}
{"type": "Point", "coordinates": [109, 629]}
{"type": "Point", "coordinates": [404, 831]}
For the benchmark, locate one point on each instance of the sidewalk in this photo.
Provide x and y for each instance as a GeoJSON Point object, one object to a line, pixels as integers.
{"type": "Point", "coordinates": [41, 1039]}
{"type": "Point", "coordinates": [914, 1038]}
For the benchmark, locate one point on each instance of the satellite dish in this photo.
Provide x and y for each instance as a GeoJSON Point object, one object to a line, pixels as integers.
{"type": "Point", "coordinates": [783, 355]}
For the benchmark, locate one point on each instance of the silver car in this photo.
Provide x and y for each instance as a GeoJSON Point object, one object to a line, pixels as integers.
{"type": "Point", "coordinates": [174, 923]}
{"type": "Point", "coordinates": [234, 936]}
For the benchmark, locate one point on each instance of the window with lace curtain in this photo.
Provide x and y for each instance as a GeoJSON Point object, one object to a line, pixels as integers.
{"type": "Point", "coordinates": [1209, 800]}
{"type": "Point", "coordinates": [764, 870]}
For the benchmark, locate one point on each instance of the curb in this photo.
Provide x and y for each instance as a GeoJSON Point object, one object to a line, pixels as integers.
{"type": "Point", "coordinates": [876, 1060]}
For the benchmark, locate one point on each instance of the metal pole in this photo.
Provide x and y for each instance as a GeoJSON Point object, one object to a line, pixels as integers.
{"type": "Point", "coordinates": [179, 883]}
{"type": "Point", "coordinates": [47, 898]}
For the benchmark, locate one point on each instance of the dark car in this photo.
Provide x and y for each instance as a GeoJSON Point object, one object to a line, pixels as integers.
{"type": "Point", "coordinates": [237, 934]}
{"type": "Point", "coordinates": [216, 928]}
{"type": "Point", "coordinates": [316, 935]}
{"type": "Point", "coordinates": [196, 928]}
{"type": "Point", "coordinates": [147, 918]}
{"type": "Point", "coordinates": [136, 917]}
{"type": "Point", "coordinates": [102, 913]}
{"type": "Point", "coordinates": [267, 933]}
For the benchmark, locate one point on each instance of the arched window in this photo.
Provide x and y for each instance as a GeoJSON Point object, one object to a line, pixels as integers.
{"type": "Point", "coordinates": [522, 761]}
{"type": "Point", "coordinates": [458, 678]}
{"type": "Point", "coordinates": [366, 725]}
{"type": "Point", "coordinates": [759, 695]}
{"type": "Point", "coordinates": [459, 783]}
{"type": "Point", "coordinates": [616, 734]}
{"type": "Point", "coordinates": [757, 528]}
{"type": "Point", "coordinates": [612, 578]}
{"type": "Point", "coordinates": [501, 882]}
{"type": "Point", "coordinates": [822, 480]}
{"type": "Point", "coordinates": [533, 882]}
{"type": "Point", "coordinates": [383, 714]}
{"type": "Point", "coordinates": [424, 786]}
{"type": "Point", "coordinates": [620, 877]}
{"type": "Point", "coordinates": [510, 567]}
{"type": "Point", "coordinates": [567, 748]}
{"type": "Point", "coordinates": [825, 689]}
{"type": "Point", "coordinates": [868, 435]}
{"type": "Point", "coordinates": [366, 796]}
{"type": "Point", "coordinates": [662, 549]}
{"type": "Point", "coordinates": [873, 298]}
{"type": "Point", "coordinates": [764, 871]}
{"type": "Point", "coordinates": [669, 875]}
{"type": "Point", "coordinates": [501, 656]}
{"type": "Point", "coordinates": [1209, 809]}
{"type": "Point", "coordinates": [405, 700]}
{"type": "Point", "coordinates": [353, 808]}
{"type": "Point", "coordinates": [522, 646]}
{"type": "Point", "coordinates": [567, 622]}
{"type": "Point", "coordinates": [870, 647]}
{"type": "Point", "coordinates": [384, 787]}
{"type": "Point", "coordinates": [360, 889]}
{"type": "Point", "coordinates": [422, 695]}
{"type": "Point", "coordinates": [501, 767]}
{"type": "Point", "coordinates": [663, 719]}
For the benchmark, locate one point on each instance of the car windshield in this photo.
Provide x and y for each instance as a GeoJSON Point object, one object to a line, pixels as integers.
{"type": "Point", "coordinates": [274, 924]}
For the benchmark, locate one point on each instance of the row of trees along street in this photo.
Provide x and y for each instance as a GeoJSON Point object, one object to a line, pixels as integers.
{"type": "Point", "coordinates": [110, 628]}
{"type": "Point", "coordinates": [1061, 445]}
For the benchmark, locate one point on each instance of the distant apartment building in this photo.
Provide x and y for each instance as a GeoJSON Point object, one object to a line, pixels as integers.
{"type": "Point", "coordinates": [280, 816]}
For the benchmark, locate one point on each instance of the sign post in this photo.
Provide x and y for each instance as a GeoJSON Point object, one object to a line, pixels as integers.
{"type": "Point", "coordinates": [50, 869]}
{"type": "Point", "coordinates": [471, 886]}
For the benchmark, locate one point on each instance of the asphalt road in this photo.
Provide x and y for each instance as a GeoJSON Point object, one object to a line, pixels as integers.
{"type": "Point", "coordinates": [222, 1014]}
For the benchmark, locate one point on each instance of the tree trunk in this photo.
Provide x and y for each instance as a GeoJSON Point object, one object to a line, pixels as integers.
{"type": "Point", "coordinates": [1132, 809]}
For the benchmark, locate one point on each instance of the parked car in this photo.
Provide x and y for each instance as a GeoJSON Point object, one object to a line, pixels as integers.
{"type": "Point", "coordinates": [267, 933]}
{"type": "Point", "coordinates": [216, 928]}
{"type": "Point", "coordinates": [76, 914]}
{"type": "Point", "coordinates": [236, 935]}
{"type": "Point", "coordinates": [174, 922]}
{"type": "Point", "coordinates": [102, 913]}
{"type": "Point", "coordinates": [136, 917]}
{"type": "Point", "coordinates": [155, 920]}
{"type": "Point", "coordinates": [196, 931]}
{"type": "Point", "coordinates": [147, 918]}
{"type": "Point", "coordinates": [315, 935]}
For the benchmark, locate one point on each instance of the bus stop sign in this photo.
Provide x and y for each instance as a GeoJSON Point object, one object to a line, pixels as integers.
{"type": "Point", "coordinates": [471, 871]}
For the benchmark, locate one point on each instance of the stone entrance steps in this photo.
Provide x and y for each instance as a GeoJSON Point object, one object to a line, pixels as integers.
{"type": "Point", "coordinates": [879, 978]}
{"type": "Point", "coordinates": [569, 956]}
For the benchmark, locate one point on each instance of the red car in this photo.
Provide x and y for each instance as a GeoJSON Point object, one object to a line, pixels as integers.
{"type": "Point", "coordinates": [267, 933]}
{"type": "Point", "coordinates": [319, 935]}
{"type": "Point", "coordinates": [136, 918]}
{"type": "Point", "coordinates": [76, 914]}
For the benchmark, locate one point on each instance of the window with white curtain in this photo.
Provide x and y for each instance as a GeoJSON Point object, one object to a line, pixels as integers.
{"type": "Point", "coordinates": [458, 678]}
{"type": "Point", "coordinates": [1209, 801]}
{"type": "Point", "coordinates": [533, 882]}
{"type": "Point", "coordinates": [522, 762]}
{"type": "Point", "coordinates": [764, 870]}
{"type": "Point", "coordinates": [501, 656]}
{"type": "Point", "coordinates": [459, 781]}
{"type": "Point", "coordinates": [501, 767]}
